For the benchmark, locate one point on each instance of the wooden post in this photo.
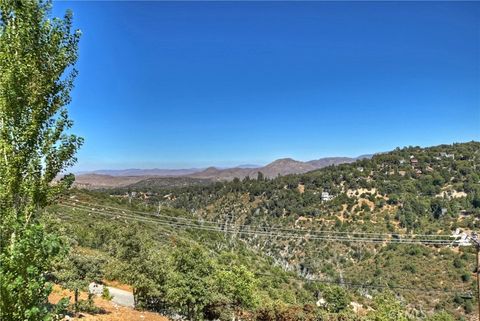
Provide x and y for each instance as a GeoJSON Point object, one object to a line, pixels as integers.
{"type": "Point", "coordinates": [478, 278]}
{"type": "Point", "coordinates": [476, 243]}
{"type": "Point", "coordinates": [76, 300]}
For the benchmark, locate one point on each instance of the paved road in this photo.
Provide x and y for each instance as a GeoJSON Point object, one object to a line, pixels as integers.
{"type": "Point", "coordinates": [121, 297]}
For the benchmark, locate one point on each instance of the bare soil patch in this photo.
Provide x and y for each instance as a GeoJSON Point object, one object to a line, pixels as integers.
{"type": "Point", "coordinates": [112, 311]}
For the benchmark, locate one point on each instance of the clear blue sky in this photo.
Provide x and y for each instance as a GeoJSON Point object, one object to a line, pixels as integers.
{"type": "Point", "coordinates": [184, 84]}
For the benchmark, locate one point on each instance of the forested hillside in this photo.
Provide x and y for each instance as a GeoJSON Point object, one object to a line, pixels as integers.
{"type": "Point", "coordinates": [331, 241]}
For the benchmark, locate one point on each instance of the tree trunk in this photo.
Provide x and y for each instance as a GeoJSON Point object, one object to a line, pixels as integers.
{"type": "Point", "coordinates": [76, 300]}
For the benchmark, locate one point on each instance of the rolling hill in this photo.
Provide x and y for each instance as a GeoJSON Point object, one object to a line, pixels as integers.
{"type": "Point", "coordinates": [283, 166]}
{"type": "Point", "coordinates": [163, 177]}
{"type": "Point", "coordinates": [332, 227]}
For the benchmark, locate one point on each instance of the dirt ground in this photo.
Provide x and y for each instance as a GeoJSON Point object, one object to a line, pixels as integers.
{"type": "Point", "coordinates": [112, 312]}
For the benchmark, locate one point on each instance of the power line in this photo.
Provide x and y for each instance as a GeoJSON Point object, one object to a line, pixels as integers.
{"type": "Point", "coordinates": [376, 286]}
{"type": "Point", "coordinates": [272, 228]}
{"type": "Point", "coordinates": [264, 233]}
{"type": "Point", "coordinates": [199, 226]}
{"type": "Point", "coordinates": [165, 232]}
{"type": "Point", "coordinates": [380, 286]}
{"type": "Point", "coordinates": [411, 236]}
{"type": "Point", "coordinates": [184, 225]}
{"type": "Point", "coordinates": [344, 283]}
{"type": "Point", "coordinates": [165, 220]}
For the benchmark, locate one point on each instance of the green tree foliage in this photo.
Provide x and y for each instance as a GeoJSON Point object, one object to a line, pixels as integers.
{"type": "Point", "coordinates": [78, 269]}
{"type": "Point", "coordinates": [336, 297]}
{"type": "Point", "coordinates": [138, 264]}
{"type": "Point", "coordinates": [37, 55]}
{"type": "Point", "coordinates": [189, 283]}
{"type": "Point", "coordinates": [260, 176]}
{"type": "Point", "coordinates": [387, 308]}
{"type": "Point", "coordinates": [238, 285]}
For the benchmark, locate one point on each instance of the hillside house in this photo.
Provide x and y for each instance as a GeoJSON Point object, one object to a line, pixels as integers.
{"type": "Point", "coordinates": [414, 161]}
{"type": "Point", "coordinates": [446, 155]}
{"type": "Point", "coordinates": [326, 196]}
{"type": "Point", "coordinates": [461, 238]}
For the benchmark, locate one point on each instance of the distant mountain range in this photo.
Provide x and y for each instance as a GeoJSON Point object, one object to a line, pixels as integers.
{"type": "Point", "coordinates": [126, 177]}
{"type": "Point", "coordinates": [282, 166]}
{"type": "Point", "coordinates": [143, 172]}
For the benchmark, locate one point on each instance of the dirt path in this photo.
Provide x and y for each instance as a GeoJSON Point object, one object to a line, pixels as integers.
{"type": "Point", "coordinates": [121, 297]}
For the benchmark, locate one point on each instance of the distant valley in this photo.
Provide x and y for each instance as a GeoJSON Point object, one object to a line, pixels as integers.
{"type": "Point", "coordinates": [180, 177]}
{"type": "Point", "coordinates": [143, 172]}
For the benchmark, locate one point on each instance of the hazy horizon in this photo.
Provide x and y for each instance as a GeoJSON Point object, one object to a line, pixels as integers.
{"type": "Point", "coordinates": [229, 164]}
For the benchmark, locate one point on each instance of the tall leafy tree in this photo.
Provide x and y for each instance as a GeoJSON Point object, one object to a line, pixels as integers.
{"type": "Point", "coordinates": [189, 285]}
{"type": "Point", "coordinates": [237, 285]}
{"type": "Point", "coordinates": [37, 57]}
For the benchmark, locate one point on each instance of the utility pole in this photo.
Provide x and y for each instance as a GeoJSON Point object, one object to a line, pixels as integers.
{"type": "Point", "coordinates": [476, 242]}
{"type": "Point", "coordinates": [478, 278]}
